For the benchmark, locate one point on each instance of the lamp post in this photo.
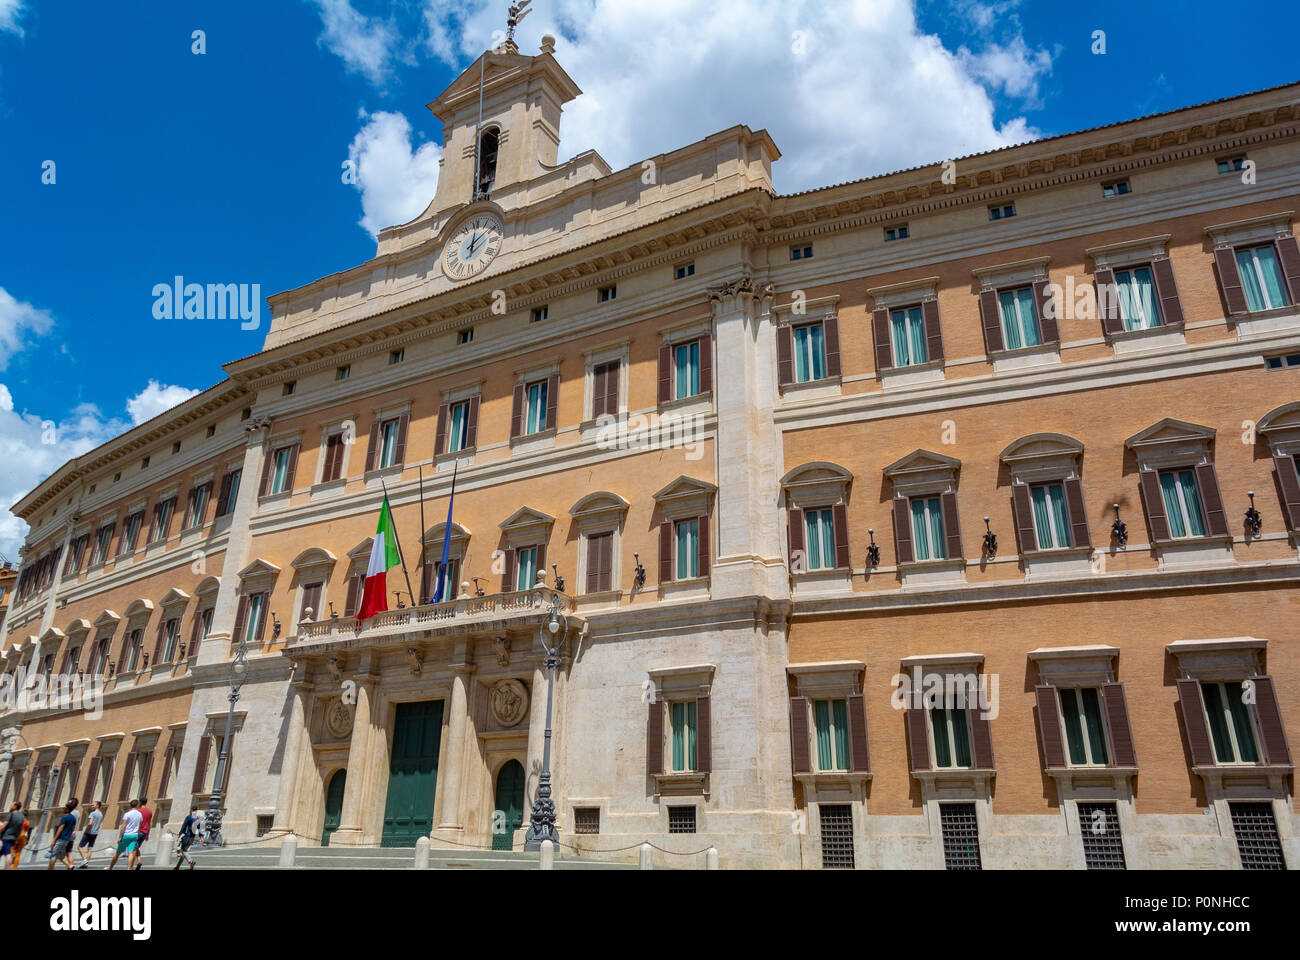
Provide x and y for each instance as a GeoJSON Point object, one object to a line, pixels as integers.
{"type": "Point", "coordinates": [541, 821]}
{"type": "Point", "coordinates": [238, 670]}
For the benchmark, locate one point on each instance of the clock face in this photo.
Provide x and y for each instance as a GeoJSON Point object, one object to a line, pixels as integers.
{"type": "Point", "coordinates": [472, 247]}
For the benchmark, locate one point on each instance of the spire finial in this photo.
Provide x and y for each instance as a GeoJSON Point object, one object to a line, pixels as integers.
{"type": "Point", "coordinates": [517, 14]}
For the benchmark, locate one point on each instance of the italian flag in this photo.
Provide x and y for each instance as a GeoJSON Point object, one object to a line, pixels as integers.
{"type": "Point", "coordinates": [383, 557]}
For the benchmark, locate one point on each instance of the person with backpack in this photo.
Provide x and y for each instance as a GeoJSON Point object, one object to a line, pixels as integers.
{"type": "Point", "coordinates": [13, 825]}
{"type": "Point", "coordinates": [187, 837]}
{"type": "Point", "coordinates": [64, 833]}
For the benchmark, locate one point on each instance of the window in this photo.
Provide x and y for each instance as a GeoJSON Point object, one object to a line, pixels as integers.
{"type": "Point", "coordinates": [819, 539]}
{"type": "Point", "coordinates": [465, 336]}
{"type": "Point", "coordinates": [144, 465]}
{"type": "Point", "coordinates": [837, 835]}
{"type": "Point", "coordinates": [831, 718]}
{"type": "Point", "coordinates": [389, 434]}
{"type": "Point", "coordinates": [117, 477]}
{"type": "Point", "coordinates": [176, 447]}
{"type": "Point", "coordinates": [687, 533]}
{"type": "Point", "coordinates": [311, 594]}
{"type": "Point", "coordinates": [253, 620]}
{"type": "Point", "coordinates": [604, 389]}
{"type": "Point", "coordinates": [335, 449]}
{"type": "Point", "coordinates": [682, 715]}
{"type": "Point", "coordinates": [907, 334]}
{"type": "Point", "coordinates": [162, 519]}
{"type": "Point", "coordinates": [801, 253]}
{"type": "Point", "coordinates": [809, 353]}
{"type": "Point", "coordinates": [1051, 522]}
{"type": "Point", "coordinates": [600, 561]}
{"type": "Point", "coordinates": [1182, 503]}
{"type": "Point", "coordinates": [246, 413]}
{"type": "Point", "coordinates": [458, 437]}
{"type": "Point", "coordinates": [1261, 277]}
{"type": "Point", "coordinates": [536, 402]}
{"type": "Point", "coordinates": [681, 819]}
{"type": "Point", "coordinates": [1119, 188]}
{"type": "Point", "coordinates": [1019, 319]}
{"type": "Point", "coordinates": [608, 293]}
{"type": "Point", "coordinates": [1257, 839]}
{"type": "Point", "coordinates": [539, 314]}
{"type": "Point", "coordinates": [1232, 730]}
{"type": "Point", "coordinates": [525, 568]}
{"type": "Point", "coordinates": [1139, 305]}
{"type": "Point", "coordinates": [1085, 737]}
{"type": "Point", "coordinates": [198, 505]}
{"type": "Point", "coordinates": [212, 432]}
{"type": "Point", "coordinates": [950, 736]}
{"type": "Point", "coordinates": [1279, 363]}
{"type": "Point", "coordinates": [102, 541]}
{"type": "Point", "coordinates": [343, 372]}
{"type": "Point", "coordinates": [99, 661]}
{"type": "Point", "coordinates": [1232, 164]}
{"type": "Point", "coordinates": [280, 473]}
{"type": "Point", "coordinates": [134, 649]}
{"type": "Point", "coordinates": [684, 270]}
{"type": "Point", "coordinates": [396, 356]}
{"type": "Point", "coordinates": [489, 144]}
{"type": "Point", "coordinates": [289, 388]}
{"type": "Point", "coordinates": [171, 633]}
{"type": "Point", "coordinates": [896, 233]}
{"type": "Point", "coordinates": [232, 494]}
{"type": "Point", "coordinates": [686, 370]}
{"type": "Point", "coordinates": [131, 532]}
{"type": "Point", "coordinates": [586, 820]}
{"type": "Point", "coordinates": [1102, 847]}
{"type": "Point", "coordinates": [1002, 211]}
{"type": "Point", "coordinates": [961, 836]}
{"type": "Point", "coordinates": [927, 529]}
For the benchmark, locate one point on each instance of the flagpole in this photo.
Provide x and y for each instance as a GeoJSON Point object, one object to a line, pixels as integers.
{"type": "Point", "coordinates": [423, 550]}
{"type": "Point", "coordinates": [399, 541]}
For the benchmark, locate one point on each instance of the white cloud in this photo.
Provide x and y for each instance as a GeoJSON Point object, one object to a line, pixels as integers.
{"type": "Point", "coordinates": [154, 399]}
{"type": "Point", "coordinates": [1014, 68]}
{"type": "Point", "coordinates": [367, 45]}
{"type": "Point", "coordinates": [17, 319]}
{"type": "Point", "coordinates": [396, 182]}
{"type": "Point", "coordinates": [10, 12]}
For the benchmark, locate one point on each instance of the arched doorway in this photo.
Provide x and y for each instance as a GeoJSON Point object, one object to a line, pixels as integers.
{"type": "Point", "coordinates": [333, 805]}
{"type": "Point", "coordinates": [509, 810]}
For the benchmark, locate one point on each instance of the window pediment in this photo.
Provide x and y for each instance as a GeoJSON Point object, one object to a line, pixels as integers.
{"type": "Point", "coordinates": [313, 557]}
{"type": "Point", "coordinates": [436, 533]}
{"type": "Point", "coordinates": [1130, 251]}
{"type": "Point", "coordinates": [817, 483]}
{"type": "Point", "coordinates": [685, 497]}
{"type": "Point", "coordinates": [79, 627]}
{"type": "Point", "coordinates": [904, 294]}
{"type": "Point", "coordinates": [923, 469]}
{"type": "Point", "coordinates": [259, 568]}
{"type": "Point", "coordinates": [599, 508]}
{"type": "Point", "coordinates": [1012, 274]}
{"type": "Point", "coordinates": [1171, 438]}
{"type": "Point", "coordinates": [1281, 425]}
{"type": "Point", "coordinates": [362, 550]}
{"type": "Point", "coordinates": [1087, 665]}
{"type": "Point", "coordinates": [1042, 455]}
{"type": "Point", "coordinates": [139, 608]}
{"type": "Point", "coordinates": [109, 618]}
{"type": "Point", "coordinates": [209, 586]}
{"type": "Point", "coordinates": [53, 633]}
{"type": "Point", "coordinates": [1223, 658]}
{"type": "Point", "coordinates": [174, 598]}
{"type": "Point", "coordinates": [527, 526]}
{"type": "Point", "coordinates": [1253, 230]}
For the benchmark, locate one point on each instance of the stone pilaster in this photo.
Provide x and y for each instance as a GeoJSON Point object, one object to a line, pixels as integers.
{"type": "Point", "coordinates": [364, 729]}
{"type": "Point", "coordinates": [451, 817]}
{"type": "Point", "coordinates": [295, 746]}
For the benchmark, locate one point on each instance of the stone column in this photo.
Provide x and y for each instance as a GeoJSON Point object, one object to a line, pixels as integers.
{"type": "Point", "coordinates": [453, 763]}
{"type": "Point", "coordinates": [295, 745]}
{"type": "Point", "coordinates": [351, 824]}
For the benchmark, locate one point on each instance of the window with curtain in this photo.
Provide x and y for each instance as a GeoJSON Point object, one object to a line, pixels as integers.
{"type": "Point", "coordinates": [927, 529]}
{"type": "Point", "coordinates": [951, 734]}
{"type": "Point", "coordinates": [535, 420]}
{"type": "Point", "coordinates": [1051, 524]}
{"type": "Point", "coordinates": [173, 630]}
{"type": "Point", "coordinates": [388, 443]}
{"type": "Point", "coordinates": [831, 719]}
{"type": "Point", "coordinates": [199, 505]}
{"type": "Point", "coordinates": [1019, 320]}
{"type": "Point", "coordinates": [1261, 277]}
{"type": "Point", "coordinates": [458, 436]}
{"type": "Point", "coordinates": [907, 333]}
{"type": "Point", "coordinates": [686, 370]}
{"type": "Point", "coordinates": [819, 539]}
{"type": "Point", "coordinates": [688, 548]}
{"type": "Point", "coordinates": [229, 505]}
{"type": "Point", "coordinates": [1231, 727]}
{"type": "Point", "coordinates": [525, 568]}
{"type": "Point", "coordinates": [134, 650]}
{"type": "Point", "coordinates": [809, 353]}
{"type": "Point", "coordinates": [1182, 503]}
{"type": "Point", "coordinates": [683, 736]}
{"type": "Point", "coordinates": [253, 622]}
{"type": "Point", "coordinates": [1139, 306]}
{"type": "Point", "coordinates": [1085, 736]}
{"type": "Point", "coordinates": [280, 474]}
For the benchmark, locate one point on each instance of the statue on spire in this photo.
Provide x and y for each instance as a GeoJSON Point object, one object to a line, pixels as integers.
{"type": "Point", "coordinates": [516, 16]}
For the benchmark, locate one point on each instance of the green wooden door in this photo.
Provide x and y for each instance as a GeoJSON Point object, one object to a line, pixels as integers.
{"type": "Point", "coordinates": [333, 805]}
{"type": "Point", "coordinates": [510, 803]}
{"type": "Point", "coordinates": [412, 773]}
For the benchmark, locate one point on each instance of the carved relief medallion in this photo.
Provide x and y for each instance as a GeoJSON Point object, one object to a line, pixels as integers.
{"type": "Point", "coordinates": [338, 719]}
{"type": "Point", "coordinates": [509, 702]}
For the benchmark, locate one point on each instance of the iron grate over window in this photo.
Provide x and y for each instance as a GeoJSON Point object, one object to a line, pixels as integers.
{"type": "Point", "coordinates": [1103, 848]}
{"type": "Point", "coordinates": [264, 825]}
{"type": "Point", "coordinates": [586, 819]}
{"type": "Point", "coordinates": [1257, 839]}
{"type": "Point", "coordinates": [837, 835]}
{"type": "Point", "coordinates": [681, 819]}
{"type": "Point", "coordinates": [961, 836]}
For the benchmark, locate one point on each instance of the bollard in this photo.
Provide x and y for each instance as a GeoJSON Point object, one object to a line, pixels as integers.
{"type": "Point", "coordinates": [711, 858]}
{"type": "Point", "coordinates": [645, 857]}
{"type": "Point", "coordinates": [288, 851]}
{"type": "Point", "coordinates": [163, 855]}
{"type": "Point", "coordinates": [422, 854]}
{"type": "Point", "coordinates": [548, 855]}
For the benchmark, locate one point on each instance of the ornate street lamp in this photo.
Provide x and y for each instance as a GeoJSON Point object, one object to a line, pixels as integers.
{"type": "Point", "coordinates": [238, 673]}
{"type": "Point", "coordinates": [541, 822]}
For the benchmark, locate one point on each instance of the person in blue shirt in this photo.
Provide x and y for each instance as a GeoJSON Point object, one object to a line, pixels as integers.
{"type": "Point", "coordinates": [188, 827]}
{"type": "Point", "coordinates": [64, 831]}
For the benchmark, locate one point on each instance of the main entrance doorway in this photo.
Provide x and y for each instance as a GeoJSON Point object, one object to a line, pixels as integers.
{"type": "Point", "coordinates": [412, 773]}
{"type": "Point", "coordinates": [333, 805]}
{"type": "Point", "coordinates": [510, 803]}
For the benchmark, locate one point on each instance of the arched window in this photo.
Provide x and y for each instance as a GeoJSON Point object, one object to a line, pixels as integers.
{"type": "Point", "coordinates": [487, 162]}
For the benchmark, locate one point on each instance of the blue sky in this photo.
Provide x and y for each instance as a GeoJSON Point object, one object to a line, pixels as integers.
{"type": "Point", "coordinates": [226, 166]}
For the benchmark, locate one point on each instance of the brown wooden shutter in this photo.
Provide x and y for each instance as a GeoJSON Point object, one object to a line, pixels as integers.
{"type": "Point", "coordinates": [552, 400]}
{"type": "Point", "coordinates": [840, 522]}
{"type": "Point", "coordinates": [951, 525]}
{"type": "Point", "coordinates": [918, 737]}
{"type": "Point", "coordinates": [666, 551]}
{"type": "Point", "coordinates": [798, 549]}
{"type": "Point", "coordinates": [654, 738]}
{"type": "Point", "coordinates": [155, 521]}
{"type": "Point", "coordinates": [403, 425]}
{"type": "Point", "coordinates": [1288, 481]}
{"type": "Point", "coordinates": [226, 480]}
{"type": "Point", "coordinates": [665, 373]}
{"type": "Point", "coordinates": [991, 321]}
{"type": "Point", "coordinates": [615, 368]}
{"type": "Point", "coordinates": [1046, 324]}
{"type": "Point", "coordinates": [196, 632]}
{"type": "Point", "coordinates": [1074, 506]}
{"type": "Point", "coordinates": [1049, 726]}
{"type": "Point", "coordinates": [158, 643]}
{"type": "Point", "coordinates": [1154, 503]}
{"type": "Point", "coordinates": [292, 470]}
{"type": "Point", "coordinates": [903, 547]}
{"type": "Point", "coordinates": [541, 563]}
{"type": "Point", "coordinates": [268, 464]}
{"type": "Point", "coordinates": [706, 363]}
{"type": "Point", "coordinates": [599, 387]}
{"type": "Point", "coordinates": [1023, 511]}
{"type": "Point", "coordinates": [831, 335]}
{"type": "Point", "coordinates": [440, 439]}
{"type": "Point", "coordinates": [1171, 308]}
{"type": "Point", "coordinates": [1207, 484]}
{"type": "Point", "coordinates": [784, 355]}
{"type": "Point", "coordinates": [201, 764]}
{"type": "Point", "coordinates": [427, 583]}
{"type": "Point", "coordinates": [933, 330]}
{"type": "Point", "coordinates": [91, 773]}
{"type": "Point", "coordinates": [241, 615]}
{"type": "Point", "coordinates": [1273, 733]}
{"type": "Point", "coordinates": [1108, 301]}
{"type": "Point", "coordinates": [859, 758]}
{"type": "Point", "coordinates": [1192, 706]}
{"type": "Point", "coordinates": [124, 790]}
{"type": "Point", "coordinates": [1122, 753]}
{"type": "Point", "coordinates": [800, 751]}
{"type": "Point", "coordinates": [703, 546]}
{"type": "Point", "coordinates": [981, 736]}
{"type": "Point", "coordinates": [508, 584]}
{"type": "Point", "coordinates": [356, 583]}
{"type": "Point", "coordinates": [880, 339]}
{"type": "Point", "coordinates": [1225, 261]}
{"type": "Point", "coordinates": [311, 599]}
{"type": "Point", "coordinates": [372, 452]}
{"type": "Point", "coordinates": [263, 616]}
{"type": "Point", "coordinates": [1288, 253]}
{"type": "Point", "coordinates": [703, 735]}
{"type": "Point", "coordinates": [165, 780]}
{"type": "Point", "coordinates": [471, 429]}
{"type": "Point", "coordinates": [517, 413]}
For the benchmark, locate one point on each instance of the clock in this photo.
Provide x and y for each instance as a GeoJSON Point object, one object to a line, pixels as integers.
{"type": "Point", "coordinates": [472, 247]}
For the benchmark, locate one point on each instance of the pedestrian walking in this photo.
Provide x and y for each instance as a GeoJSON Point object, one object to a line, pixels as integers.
{"type": "Point", "coordinates": [65, 832]}
{"type": "Point", "coordinates": [187, 838]}
{"type": "Point", "coordinates": [87, 845]}
{"type": "Point", "coordinates": [128, 837]}
{"type": "Point", "coordinates": [13, 825]}
{"type": "Point", "coordinates": [20, 841]}
{"type": "Point", "coordinates": [146, 820]}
